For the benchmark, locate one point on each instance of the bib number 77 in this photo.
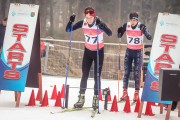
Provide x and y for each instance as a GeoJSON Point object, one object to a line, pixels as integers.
{"type": "Point", "coordinates": [91, 39]}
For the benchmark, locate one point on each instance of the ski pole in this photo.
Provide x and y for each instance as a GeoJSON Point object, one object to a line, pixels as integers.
{"type": "Point", "coordinates": [98, 76]}
{"type": "Point", "coordinates": [67, 64]}
{"type": "Point", "coordinates": [119, 67]}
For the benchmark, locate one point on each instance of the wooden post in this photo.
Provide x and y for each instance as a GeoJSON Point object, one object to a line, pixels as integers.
{"type": "Point", "coordinates": [161, 108]}
{"type": "Point", "coordinates": [119, 68]}
{"type": "Point", "coordinates": [118, 83]}
{"type": "Point", "coordinates": [40, 86]}
{"type": "Point", "coordinates": [142, 71]}
{"type": "Point", "coordinates": [17, 98]}
{"type": "Point", "coordinates": [15, 94]}
{"type": "Point", "coordinates": [168, 112]}
{"type": "Point", "coordinates": [140, 109]}
{"type": "Point", "coordinates": [178, 108]}
{"type": "Point", "coordinates": [67, 96]}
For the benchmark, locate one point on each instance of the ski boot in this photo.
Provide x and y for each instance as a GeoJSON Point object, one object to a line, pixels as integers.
{"type": "Point", "coordinates": [95, 102]}
{"type": "Point", "coordinates": [136, 95]}
{"type": "Point", "coordinates": [80, 102]}
{"type": "Point", "coordinates": [124, 96]}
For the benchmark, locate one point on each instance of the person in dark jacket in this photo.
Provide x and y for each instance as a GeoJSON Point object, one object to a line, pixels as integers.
{"type": "Point", "coordinates": [2, 31]}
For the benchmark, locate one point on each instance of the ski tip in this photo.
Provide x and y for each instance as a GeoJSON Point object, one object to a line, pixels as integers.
{"type": "Point", "coordinates": [121, 101]}
{"type": "Point", "coordinates": [52, 112]}
{"type": "Point", "coordinates": [93, 113]}
{"type": "Point", "coordinates": [133, 103]}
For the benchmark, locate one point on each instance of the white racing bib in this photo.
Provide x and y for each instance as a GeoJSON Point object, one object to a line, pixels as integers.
{"type": "Point", "coordinates": [92, 35]}
{"type": "Point", "coordinates": [134, 37]}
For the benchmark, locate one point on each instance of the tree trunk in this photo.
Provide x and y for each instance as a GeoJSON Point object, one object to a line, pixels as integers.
{"type": "Point", "coordinates": [7, 7]}
{"type": "Point", "coordinates": [43, 17]}
{"type": "Point", "coordinates": [51, 18]}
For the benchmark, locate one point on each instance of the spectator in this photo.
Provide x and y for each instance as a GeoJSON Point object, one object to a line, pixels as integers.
{"type": "Point", "coordinates": [42, 49]}
{"type": "Point", "coordinates": [2, 31]}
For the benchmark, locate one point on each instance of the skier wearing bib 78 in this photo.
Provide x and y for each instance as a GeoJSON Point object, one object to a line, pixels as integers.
{"type": "Point", "coordinates": [134, 32]}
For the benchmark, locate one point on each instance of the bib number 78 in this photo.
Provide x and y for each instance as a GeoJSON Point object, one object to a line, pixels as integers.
{"type": "Point", "coordinates": [134, 40]}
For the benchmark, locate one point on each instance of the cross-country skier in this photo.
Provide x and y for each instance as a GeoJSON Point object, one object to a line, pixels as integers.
{"type": "Point", "coordinates": [134, 32]}
{"type": "Point", "coordinates": [89, 26]}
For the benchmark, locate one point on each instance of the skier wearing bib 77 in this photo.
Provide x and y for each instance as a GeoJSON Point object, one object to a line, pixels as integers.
{"type": "Point", "coordinates": [93, 29]}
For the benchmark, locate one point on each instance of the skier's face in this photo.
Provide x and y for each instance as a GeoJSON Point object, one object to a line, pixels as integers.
{"type": "Point", "coordinates": [133, 22]}
{"type": "Point", "coordinates": [89, 18]}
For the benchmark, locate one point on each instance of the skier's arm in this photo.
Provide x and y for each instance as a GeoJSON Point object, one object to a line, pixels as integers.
{"type": "Point", "coordinates": [145, 32]}
{"type": "Point", "coordinates": [75, 26]}
{"type": "Point", "coordinates": [103, 27]}
{"type": "Point", "coordinates": [121, 30]}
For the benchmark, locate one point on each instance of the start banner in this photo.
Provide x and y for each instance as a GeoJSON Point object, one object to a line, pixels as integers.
{"type": "Point", "coordinates": [17, 46]}
{"type": "Point", "coordinates": [164, 54]}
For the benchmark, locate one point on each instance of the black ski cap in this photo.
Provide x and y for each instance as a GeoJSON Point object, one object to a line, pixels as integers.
{"type": "Point", "coordinates": [133, 16]}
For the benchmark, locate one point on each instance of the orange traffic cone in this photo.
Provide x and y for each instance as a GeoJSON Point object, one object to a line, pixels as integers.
{"type": "Point", "coordinates": [100, 95]}
{"type": "Point", "coordinates": [45, 101]}
{"type": "Point", "coordinates": [54, 93]}
{"type": "Point", "coordinates": [114, 107]}
{"type": "Point", "coordinates": [32, 99]}
{"type": "Point", "coordinates": [62, 91]}
{"type": "Point", "coordinates": [109, 96]}
{"type": "Point", "coordinates": [58, 100]}
{"type": "Point", "coordinates": [38, 95]}
{"type": "Point", "coordinates": [127, 107]}
{"type": "Point", "coordinates": [137, 105]}
{"type": "Point", "coordinates": [149, 109]}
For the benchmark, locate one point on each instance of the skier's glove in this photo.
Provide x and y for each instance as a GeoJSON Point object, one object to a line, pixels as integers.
{"type": "Point", "coordinates": [72, 18]}
{"type": "Point", "coordinates": [119, 32]}
{"type": "Point", "coordinates": [143, 28]}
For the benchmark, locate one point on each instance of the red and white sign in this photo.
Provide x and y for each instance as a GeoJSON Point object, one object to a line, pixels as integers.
{"type": "Point", "coordinates": [164, 54]}
{"type": "Point", "coordinates": [18, 41]}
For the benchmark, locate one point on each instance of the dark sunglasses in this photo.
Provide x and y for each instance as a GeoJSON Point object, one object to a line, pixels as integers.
{"type": "Point", "coordinates": [89, 11]}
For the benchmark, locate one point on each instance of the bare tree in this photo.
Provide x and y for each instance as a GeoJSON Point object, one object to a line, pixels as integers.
{"type": "Point", "coordinates": [43, 17]}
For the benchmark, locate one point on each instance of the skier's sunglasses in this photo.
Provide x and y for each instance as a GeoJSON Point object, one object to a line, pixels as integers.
{"type": "Point", "coordinates": [89, 11]}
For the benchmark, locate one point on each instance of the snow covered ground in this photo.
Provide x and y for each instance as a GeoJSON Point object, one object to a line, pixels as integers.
{"type": "Point", "coordinates": [9, 112]}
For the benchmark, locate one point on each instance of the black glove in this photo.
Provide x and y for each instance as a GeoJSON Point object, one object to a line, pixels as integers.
{"type": "Point", "coordinates": [143, 28]}
{"type": "Point", "coordinates": [98, 21]}
{"type": "Point", "coordinates": [120, 30]}
{"type": "Point", "coordinates": [72, 18]}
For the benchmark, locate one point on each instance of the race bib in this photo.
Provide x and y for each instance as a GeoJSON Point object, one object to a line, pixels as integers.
{"type": "Point", "coordinates": [93, 40]}
{"type": "Point", "coordinates": [134, 40]}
